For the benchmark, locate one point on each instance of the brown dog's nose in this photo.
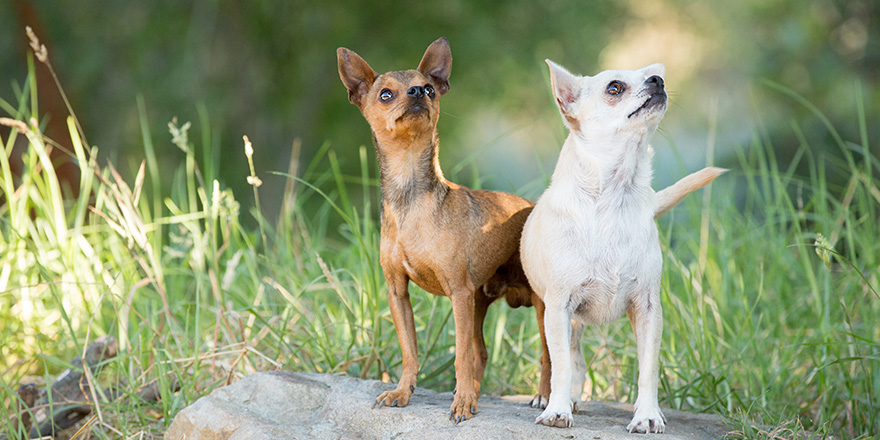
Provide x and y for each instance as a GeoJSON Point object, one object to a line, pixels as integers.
{"type": "Point", "coordinates": [656, 81]}
{"type": "Point", "coordinates": [416, 91]}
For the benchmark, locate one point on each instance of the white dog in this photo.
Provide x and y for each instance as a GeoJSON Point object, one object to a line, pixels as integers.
{"type": "Point", "coordinates": [590, 247]}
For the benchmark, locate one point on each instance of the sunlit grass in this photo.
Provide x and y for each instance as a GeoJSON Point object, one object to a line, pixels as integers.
{"type": "Point", "coordinates": [767, 322]}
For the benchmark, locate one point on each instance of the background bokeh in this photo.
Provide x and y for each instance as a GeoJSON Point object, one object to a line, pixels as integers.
{"type": "Point", "coordinates": [770, 308]}
{"type": "Point", "coordinates": [268, 70]}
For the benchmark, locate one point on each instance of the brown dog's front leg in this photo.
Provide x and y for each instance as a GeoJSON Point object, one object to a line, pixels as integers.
{"type": "Point", "coordinates": [464, 404]}
{"type": "Point", "coordinates": [402, 314]}
{"type": "Point", "coordinates": [540, 400]}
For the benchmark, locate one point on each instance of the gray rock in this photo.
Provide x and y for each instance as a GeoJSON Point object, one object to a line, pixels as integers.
{"type": "Point", "coordinates": [282, 405]}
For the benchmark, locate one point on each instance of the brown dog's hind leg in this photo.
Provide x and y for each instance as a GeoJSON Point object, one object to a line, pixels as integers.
{"type": "Point", "coordinates": [632, 322]}
{"type": "Point", "coordinates": [540, 399]}
{"type": "Point", "coordinates": [481, 354]}
{"type": "Point", "coordinates": [402, 314]}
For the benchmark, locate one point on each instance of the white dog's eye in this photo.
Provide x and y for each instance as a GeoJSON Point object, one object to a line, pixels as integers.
{"type": "Point", "coordinates": [615, 88]}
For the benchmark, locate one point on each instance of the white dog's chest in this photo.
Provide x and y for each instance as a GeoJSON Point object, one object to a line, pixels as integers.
{"type": "Point", "coordinates": [618, 263]}
{"type": "Point", "coordinates": [605, 256]}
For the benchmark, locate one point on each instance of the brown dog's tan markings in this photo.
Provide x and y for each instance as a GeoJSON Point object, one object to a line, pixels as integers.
{"type": "Point", "coordinates": [448, 239]}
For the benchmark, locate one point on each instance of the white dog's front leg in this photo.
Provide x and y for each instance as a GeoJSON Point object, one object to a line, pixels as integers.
{"type": "Point", "coordinates": [648, 325]}
{"type": "Point", "coordinates": [557, 326]}
{"type": "Point", "coordinates": [578, 364]}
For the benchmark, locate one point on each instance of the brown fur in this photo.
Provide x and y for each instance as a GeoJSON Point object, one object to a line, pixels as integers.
{"type": "Point", "coordinates": [448, 239]}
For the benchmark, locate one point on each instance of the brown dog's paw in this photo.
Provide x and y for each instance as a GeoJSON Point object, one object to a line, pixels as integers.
{"type": "Point", "coordinates": [464, 406]}
{"type": "Point", "coordinates": [397, 397]}
{"type": "Point", "coordinates": [539, 401]}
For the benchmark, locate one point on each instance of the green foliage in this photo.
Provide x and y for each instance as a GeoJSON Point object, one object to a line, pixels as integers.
{"type": "Point", "coordinates": [767, 322]}
{"type": "Point", "coordinates": [269, 69]}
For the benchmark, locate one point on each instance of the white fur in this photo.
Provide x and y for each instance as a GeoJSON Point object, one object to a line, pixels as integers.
{"type": "Point", "coordinates": [590, 247]}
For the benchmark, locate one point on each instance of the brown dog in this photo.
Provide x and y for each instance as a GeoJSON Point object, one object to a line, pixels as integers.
{"type": "Point", "coordinates": [448, 239]}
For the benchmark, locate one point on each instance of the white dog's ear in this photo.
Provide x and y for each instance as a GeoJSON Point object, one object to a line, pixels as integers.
{"type": "Point", "coordinates": [565, 87]}
{"type": "Point", "coordinates": [658, 69]}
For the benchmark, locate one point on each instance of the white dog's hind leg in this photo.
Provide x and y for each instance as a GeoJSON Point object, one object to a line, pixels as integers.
{"type": "Point", "coordinates": [557, 326]}
{"type": "Point", "coordinates": [578, 364]}
{"type": "Point", "coordinates": [647, 323]}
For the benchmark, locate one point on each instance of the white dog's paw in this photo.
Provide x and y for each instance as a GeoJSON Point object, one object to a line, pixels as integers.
{"type": "Point", "coordinates": [551, 417]}
{"type": "Point", "coordinates": [646, 420]}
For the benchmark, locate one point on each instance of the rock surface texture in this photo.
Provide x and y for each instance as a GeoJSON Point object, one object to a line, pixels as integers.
{"type": "Point", "coordinates": [282, 405]}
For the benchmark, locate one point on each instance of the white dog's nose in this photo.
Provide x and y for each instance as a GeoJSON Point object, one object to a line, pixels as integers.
{"type": "Point", "coordinates": [655, 81]}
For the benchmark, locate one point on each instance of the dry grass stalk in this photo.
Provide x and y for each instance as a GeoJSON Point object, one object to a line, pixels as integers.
{"type": "Point", "coordinates": [39, 49]}
{"type": "Point", "coordinates": [16, 124]}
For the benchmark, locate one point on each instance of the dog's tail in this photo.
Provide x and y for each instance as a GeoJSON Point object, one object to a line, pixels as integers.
{"type": "Point", "coordinates": [672, 195]}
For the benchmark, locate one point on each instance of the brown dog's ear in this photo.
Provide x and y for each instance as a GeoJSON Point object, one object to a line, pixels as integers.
{"type": "Point", "coordinates": [437, 64]}
{"type": "Point", "coordinates": [565, 88]}
{"type": "Point", "coordinates": [355, 73]}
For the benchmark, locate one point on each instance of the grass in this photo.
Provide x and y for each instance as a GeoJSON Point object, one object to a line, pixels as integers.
{"type": "Point", "coordinates": [770, 303]}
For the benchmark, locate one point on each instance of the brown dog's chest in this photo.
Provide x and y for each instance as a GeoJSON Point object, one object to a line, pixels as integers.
{"type": "Point", "coordinates": [419, 253]}
{"type": "Point", "coordinates": [423, 275]}
{"type": "Point", "coordinates": [460, 243]}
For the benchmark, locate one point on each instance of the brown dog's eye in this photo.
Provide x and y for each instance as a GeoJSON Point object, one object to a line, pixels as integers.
{"type": "Point", "coordinates": [385, 95]}
{"type": "Point", "coordinates": [429, 90]}
{"type": "Point", "coordinates": [615, 88]}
